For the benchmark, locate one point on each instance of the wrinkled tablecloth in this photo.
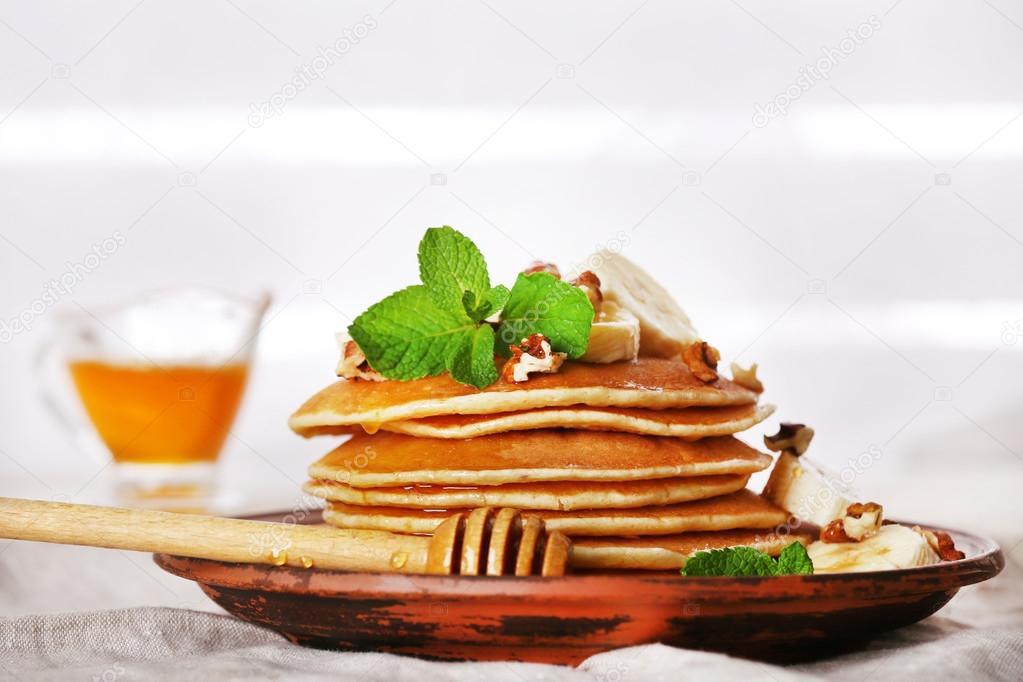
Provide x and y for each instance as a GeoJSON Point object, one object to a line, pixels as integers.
{"type": "Point", "coordinates": [176, 644]}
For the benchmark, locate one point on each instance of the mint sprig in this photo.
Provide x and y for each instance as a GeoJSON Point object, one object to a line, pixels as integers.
{"type": "Point", "coordinates": [749, 561]}
{"type": "Point", "coordinates": [441, 325]}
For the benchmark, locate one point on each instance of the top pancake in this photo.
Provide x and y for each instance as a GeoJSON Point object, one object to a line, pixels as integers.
{"type": "Point", "coordinates": [654, 383]}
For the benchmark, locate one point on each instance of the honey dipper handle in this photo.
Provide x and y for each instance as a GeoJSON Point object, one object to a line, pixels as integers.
{"type": "Point", "coordinates": [209, 537]}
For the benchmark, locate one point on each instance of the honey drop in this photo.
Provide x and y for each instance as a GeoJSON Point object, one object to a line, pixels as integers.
{"type": "Point", "coordinates": [398, 559]}
{"type": "Point", "coordinates": [306, 562]}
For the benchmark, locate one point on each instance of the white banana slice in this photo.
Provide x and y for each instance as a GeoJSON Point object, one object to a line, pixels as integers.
{"type": "Point", "coordinates": [614, 335]}
{"type": "Point", "coordinates": [893, 546]}
{"type": "Point", "coordinates": [665, 329]}
{"type": "Point", "coordinates": [344, 361]}
{"type": "Point", "coordinates": [806, 491]}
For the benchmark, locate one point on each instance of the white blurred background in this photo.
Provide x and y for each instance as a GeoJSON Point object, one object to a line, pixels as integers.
{"type": "Point", "coordinates": [855, 228]}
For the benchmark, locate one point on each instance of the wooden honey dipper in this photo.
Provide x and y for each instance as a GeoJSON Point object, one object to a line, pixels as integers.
{"type": "Point", "coordinates": [484, 541]}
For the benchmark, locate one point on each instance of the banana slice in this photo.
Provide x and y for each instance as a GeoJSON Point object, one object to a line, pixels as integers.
{"type": "Point", "coordinates": [893, 546]}
{"type": "Point", "coordinates": [806, 491]}
{"type": "Point", "coordinates": [614, 335]}
{"type": "Point", "coordinates": [665, 329]}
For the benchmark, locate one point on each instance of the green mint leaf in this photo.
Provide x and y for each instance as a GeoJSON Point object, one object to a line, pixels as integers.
{"type": "Point", "coordinates": [408, 336]}
{"type": "Point", "coordinates": [794, 560]}
{"type": "Point", "coordinates": [493, 301]}
{"type": "Point", "coordinates": [749, 561]}
{"type": "Point", "coordinates": [540, 303]}
{"type": "Point", "coordinates": [450, 265]}
{"type": "Point", "coordinates": [472, 361]}
{"type": "Point", "coordinates": [733, 561]}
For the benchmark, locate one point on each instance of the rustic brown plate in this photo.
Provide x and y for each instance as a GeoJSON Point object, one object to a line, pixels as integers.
{"type": "Point", "coordinates": [565, 620]}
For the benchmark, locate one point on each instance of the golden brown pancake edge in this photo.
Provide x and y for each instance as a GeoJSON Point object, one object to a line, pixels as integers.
{"type": "Point", "coordinates": [559, 495]}
{"type": "Point", "coordinates": [742, 509]}
{"type": "Point", "coordinates": [390, 459]}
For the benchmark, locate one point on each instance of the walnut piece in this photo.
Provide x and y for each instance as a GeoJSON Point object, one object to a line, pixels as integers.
{"type": "Point", "coordinates": [942, 544]}
{"type": "Point", "coordinates": [540, 266]}
{"type": "Point", "coordinates": [353, 363]}
{"type": "Point", "coordinates": [747, 378]}
{"type": "Point", "coordinates": [590, 283]}
{"type": "Point", "coordinates": [791, 438]}
{"type": "Point", "coordinates": [834, 532]}
{"type": "Point", "coordinates": [702, 360]}
{"type": "Point", "coordinates": [861, 521]}
{"type": "Point", "coordinates": [534, 354]}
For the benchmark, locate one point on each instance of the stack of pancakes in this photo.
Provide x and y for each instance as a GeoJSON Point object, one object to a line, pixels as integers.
{"type": "Point", "coordinates": [634, 460]}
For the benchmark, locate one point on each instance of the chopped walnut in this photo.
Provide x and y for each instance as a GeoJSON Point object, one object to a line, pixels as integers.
{"type": "Point", "coordinates": [791, 438]}
{"type": "Point", "coordinates": [540, 266]}
{"type": "Point", "coordinates": [534, 354]}
{"type": "Point", "coordinates": [861, 521]}
{"type": "Point", "coordinates": [353, 364]}
{"type": "Point", "coordinates": [859, 509]}
{"type": "Point", "coordinates": [834, 532]}
{"type": "Point", "coordinates": [702, 360]}
{"type": "Point", "coordinates": [537, 345]}
{"type": "Point", "coordinates": [747, 378]}
{"type": "Point", "coordinates": [590, 283]}
{"type": "Point", "coordinates": [942, 544]}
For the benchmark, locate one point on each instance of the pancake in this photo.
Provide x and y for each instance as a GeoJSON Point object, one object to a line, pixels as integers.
{"type": "Point", "coordinates": [689, 422]}
{"type": "Point", "coordinates": [670, 552]}
{"type": "Point", "coordinates": [743, 509]}
{"type": "Point", "coordinates": [392, 459]}
{"type": "Point", "coordinates": [653, 383]}
{"type": "Point", "coordinates": [559, 495]}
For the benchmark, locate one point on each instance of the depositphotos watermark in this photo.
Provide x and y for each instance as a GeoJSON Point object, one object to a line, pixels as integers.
{"type": "Point", "coordinates": [811, 74]}
{"type": "Point", "coordinates": [609, 247]}
{"type": "Point", "coordinates": [111, 674]}
{"type": "Point", "coordinates": [314, 70]}
{"type": "Point", "coordinates": [1012, 331]}
{"type": "Point", "coordinates": [835, 485]}
{"type": "Point", "coordinates": [274, 540]}
{"type": "Point", "coordinates": [74, 273]}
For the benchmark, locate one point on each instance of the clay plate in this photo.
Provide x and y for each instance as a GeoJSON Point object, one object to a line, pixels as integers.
{"type": "Point", "coordinates": [565, 620]}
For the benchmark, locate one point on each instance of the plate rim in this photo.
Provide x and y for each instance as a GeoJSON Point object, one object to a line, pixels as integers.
{"type": "Point", "coordinates": [950, 575]}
